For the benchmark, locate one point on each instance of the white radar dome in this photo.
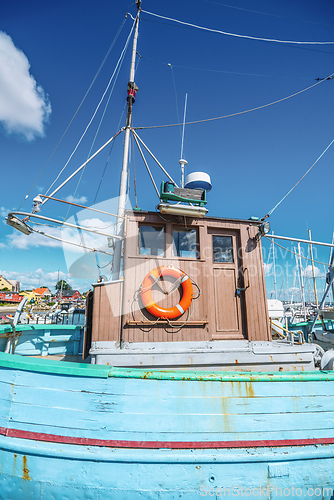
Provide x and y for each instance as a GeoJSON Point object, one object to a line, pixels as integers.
{"type": "Point", "coordinates": [198, 180]}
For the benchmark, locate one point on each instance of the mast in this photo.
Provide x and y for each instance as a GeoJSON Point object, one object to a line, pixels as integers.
{"type": "Point", "coordinates": [301, 281]}
{"type": "Point", "coordinates": [313, 271]}
{"type": "Point", "coordinates": [132, 89]}
{"type": "Point", "coordinates": [330, 260]}
{"type": "Point", "coordinates": [274, 269]}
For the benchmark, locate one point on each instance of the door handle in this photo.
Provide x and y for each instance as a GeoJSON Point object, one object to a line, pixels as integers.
{"type": "Point", "coordinates": [240, 289]}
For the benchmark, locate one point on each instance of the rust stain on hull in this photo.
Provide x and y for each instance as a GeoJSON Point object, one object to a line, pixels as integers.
{"type": "Point", "coordinates": [14, 464]}
{"type": "Point", "coordinates": [25, 469]}
{"type": "Point", "coordinates": [249, 389]}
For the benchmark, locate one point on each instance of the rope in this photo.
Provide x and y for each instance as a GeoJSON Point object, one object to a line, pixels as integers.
{"type": "Point", "coordinates": [235, 114]}
{"type": "Point", "coordinates": [198, 289]}
{"type": "Point", "coordinates": [172, 289]}
{"type": "Point", "coordinates": [235, 34]}
{"type": "Point", "coordinates": [156, 280]}
{"type": "Point", "coordinates": [190, 311]}
{"type": "Point", "coordinates": [99, 104]}
{"type": "Point", "coordinates": [132, 311]}
{"type": "Point", "coordinates": [287, 194]}
{"type": "Point", "coordinates": [68, 126]}
{"type": "Point", "coordinates": [97, 264]}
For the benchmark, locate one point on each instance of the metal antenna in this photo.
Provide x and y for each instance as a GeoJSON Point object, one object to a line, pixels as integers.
{"type": "Point", "coordinates": [183, 162]}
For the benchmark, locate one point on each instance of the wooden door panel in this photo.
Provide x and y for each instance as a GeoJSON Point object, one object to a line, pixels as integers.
{"type": "Point", "coordinates": [226, 305]}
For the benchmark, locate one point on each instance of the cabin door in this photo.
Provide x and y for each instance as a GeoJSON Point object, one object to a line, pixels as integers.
{"type": "Point", "coordinates": [226, 284]}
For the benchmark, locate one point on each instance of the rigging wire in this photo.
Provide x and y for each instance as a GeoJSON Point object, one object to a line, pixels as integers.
{"type": "Point", "coordinates": [110, 151]}
{"type": "Point", "coordinates": [99, 104]}
{"type": "Point", "coordinates": [76, 112]}
{"type": "Point", "coordinates": [266, 13]}
{"type": "Point", "coordinates": [231, 72]}
{"type": "Point", "coordinates": [234, 114]}
{"type": "Point", "coordinates": [112, 145]}
{"type": "Point", "coordinates": [287, 194]}
{"type": "Point", "coordinates": [235, 72]}
{"type": "Point", "coordinates": [235, 34]}
{"type": "Point", "coordinates": [82, 166]}
{"type": "Point", "coordinates": [175, 93]}
{"type": "Point", "coordinates": [99, 127]}
{"type": "Point", "coordinates": [145, 163]}
{"type": "Point", "coordinates": [71, 243]}
{"type": "Point", "coordinates": [294, 253]}
{"type": "Point", "coordinates": [84, 227]}
{"type": "Point", "coordinates": [81, 206]}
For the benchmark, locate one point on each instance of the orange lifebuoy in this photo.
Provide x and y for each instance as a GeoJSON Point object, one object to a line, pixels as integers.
{"type": "Point", "coordinates": [146, 292]}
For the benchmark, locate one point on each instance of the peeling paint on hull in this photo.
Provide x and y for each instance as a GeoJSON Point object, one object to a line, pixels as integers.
{"type": "Point", "coordinates": [103, 474]}
{"type": "Point", "coordinates": [103, 433]}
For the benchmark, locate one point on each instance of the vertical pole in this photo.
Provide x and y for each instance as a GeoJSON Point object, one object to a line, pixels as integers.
{"type": "Point", "coordinates": [132, 89]}
{"type": "Point", "coordinates": [328, 285]}
{"type": "Point", "coordinates": [331, 260]}
{"type": "Point", "coordinates": [274, 268]}
{"type": "Point", "coordinates": [183, 162]}
{"type": "Point", "coordinates": [301, 280]}
{"type": "Point", "coordinates": [313, 272]}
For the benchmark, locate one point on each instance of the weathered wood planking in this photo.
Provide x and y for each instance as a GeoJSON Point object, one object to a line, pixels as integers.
{"type": "Point", "coordinates": [126, 409]}
{"type": "Point", "coordinates": [219, 312]}
{"type": "Point", "coordinates": [107, 311]}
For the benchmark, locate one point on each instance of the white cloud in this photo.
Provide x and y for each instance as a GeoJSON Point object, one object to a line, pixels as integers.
{"type": "Point", "coordinates": [308, 273]}
{"type": "Point", "coordinates": [24, 107]}
{"type": "Point", "coordinates": [24, 242]}
{"type": "Point", "coordinates": [80, 200]}
{"type": "Point", "coordinates": [40, 277]}
{"type": "Point", "coordinates": [4, 212]}
{"type": "Point", "coordinates": [267, 268]}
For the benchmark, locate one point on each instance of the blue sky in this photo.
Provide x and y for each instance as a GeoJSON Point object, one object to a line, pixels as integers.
{"type": "Point", "coordinates": [50, 53]}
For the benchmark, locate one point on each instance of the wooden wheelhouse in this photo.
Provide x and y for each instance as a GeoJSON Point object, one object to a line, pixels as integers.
{"type": "Point", "coordinates": [223, 259]}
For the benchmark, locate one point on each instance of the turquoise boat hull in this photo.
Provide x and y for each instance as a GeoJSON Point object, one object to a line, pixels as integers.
{"type": "Point", "coordinates": [80, 431]}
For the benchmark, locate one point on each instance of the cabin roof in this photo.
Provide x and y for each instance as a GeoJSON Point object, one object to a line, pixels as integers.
{"type": "Point", "coordinates": [207, 217]}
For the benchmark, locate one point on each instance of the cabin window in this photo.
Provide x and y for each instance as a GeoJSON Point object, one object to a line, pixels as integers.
{"type": "Point", "coordinates": [222, 249]}
{"type": "Point", "coordinates": [152, 240]}
{"type": "Point", "coordinates": [185, 243]}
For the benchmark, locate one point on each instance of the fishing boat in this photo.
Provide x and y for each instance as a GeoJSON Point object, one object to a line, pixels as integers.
{"type": "Point", "coordinates": [175, 388]}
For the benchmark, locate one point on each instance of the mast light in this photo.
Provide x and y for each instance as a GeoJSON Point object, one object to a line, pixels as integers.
{"type": "Point", "coordinates": [18, 224]}
{"type": "Point", "coordinates": [264, 229]}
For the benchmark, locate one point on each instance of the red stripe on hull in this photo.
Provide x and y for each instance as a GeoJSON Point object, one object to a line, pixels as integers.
{"type": "Point", "coordinates": [114, 443]}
